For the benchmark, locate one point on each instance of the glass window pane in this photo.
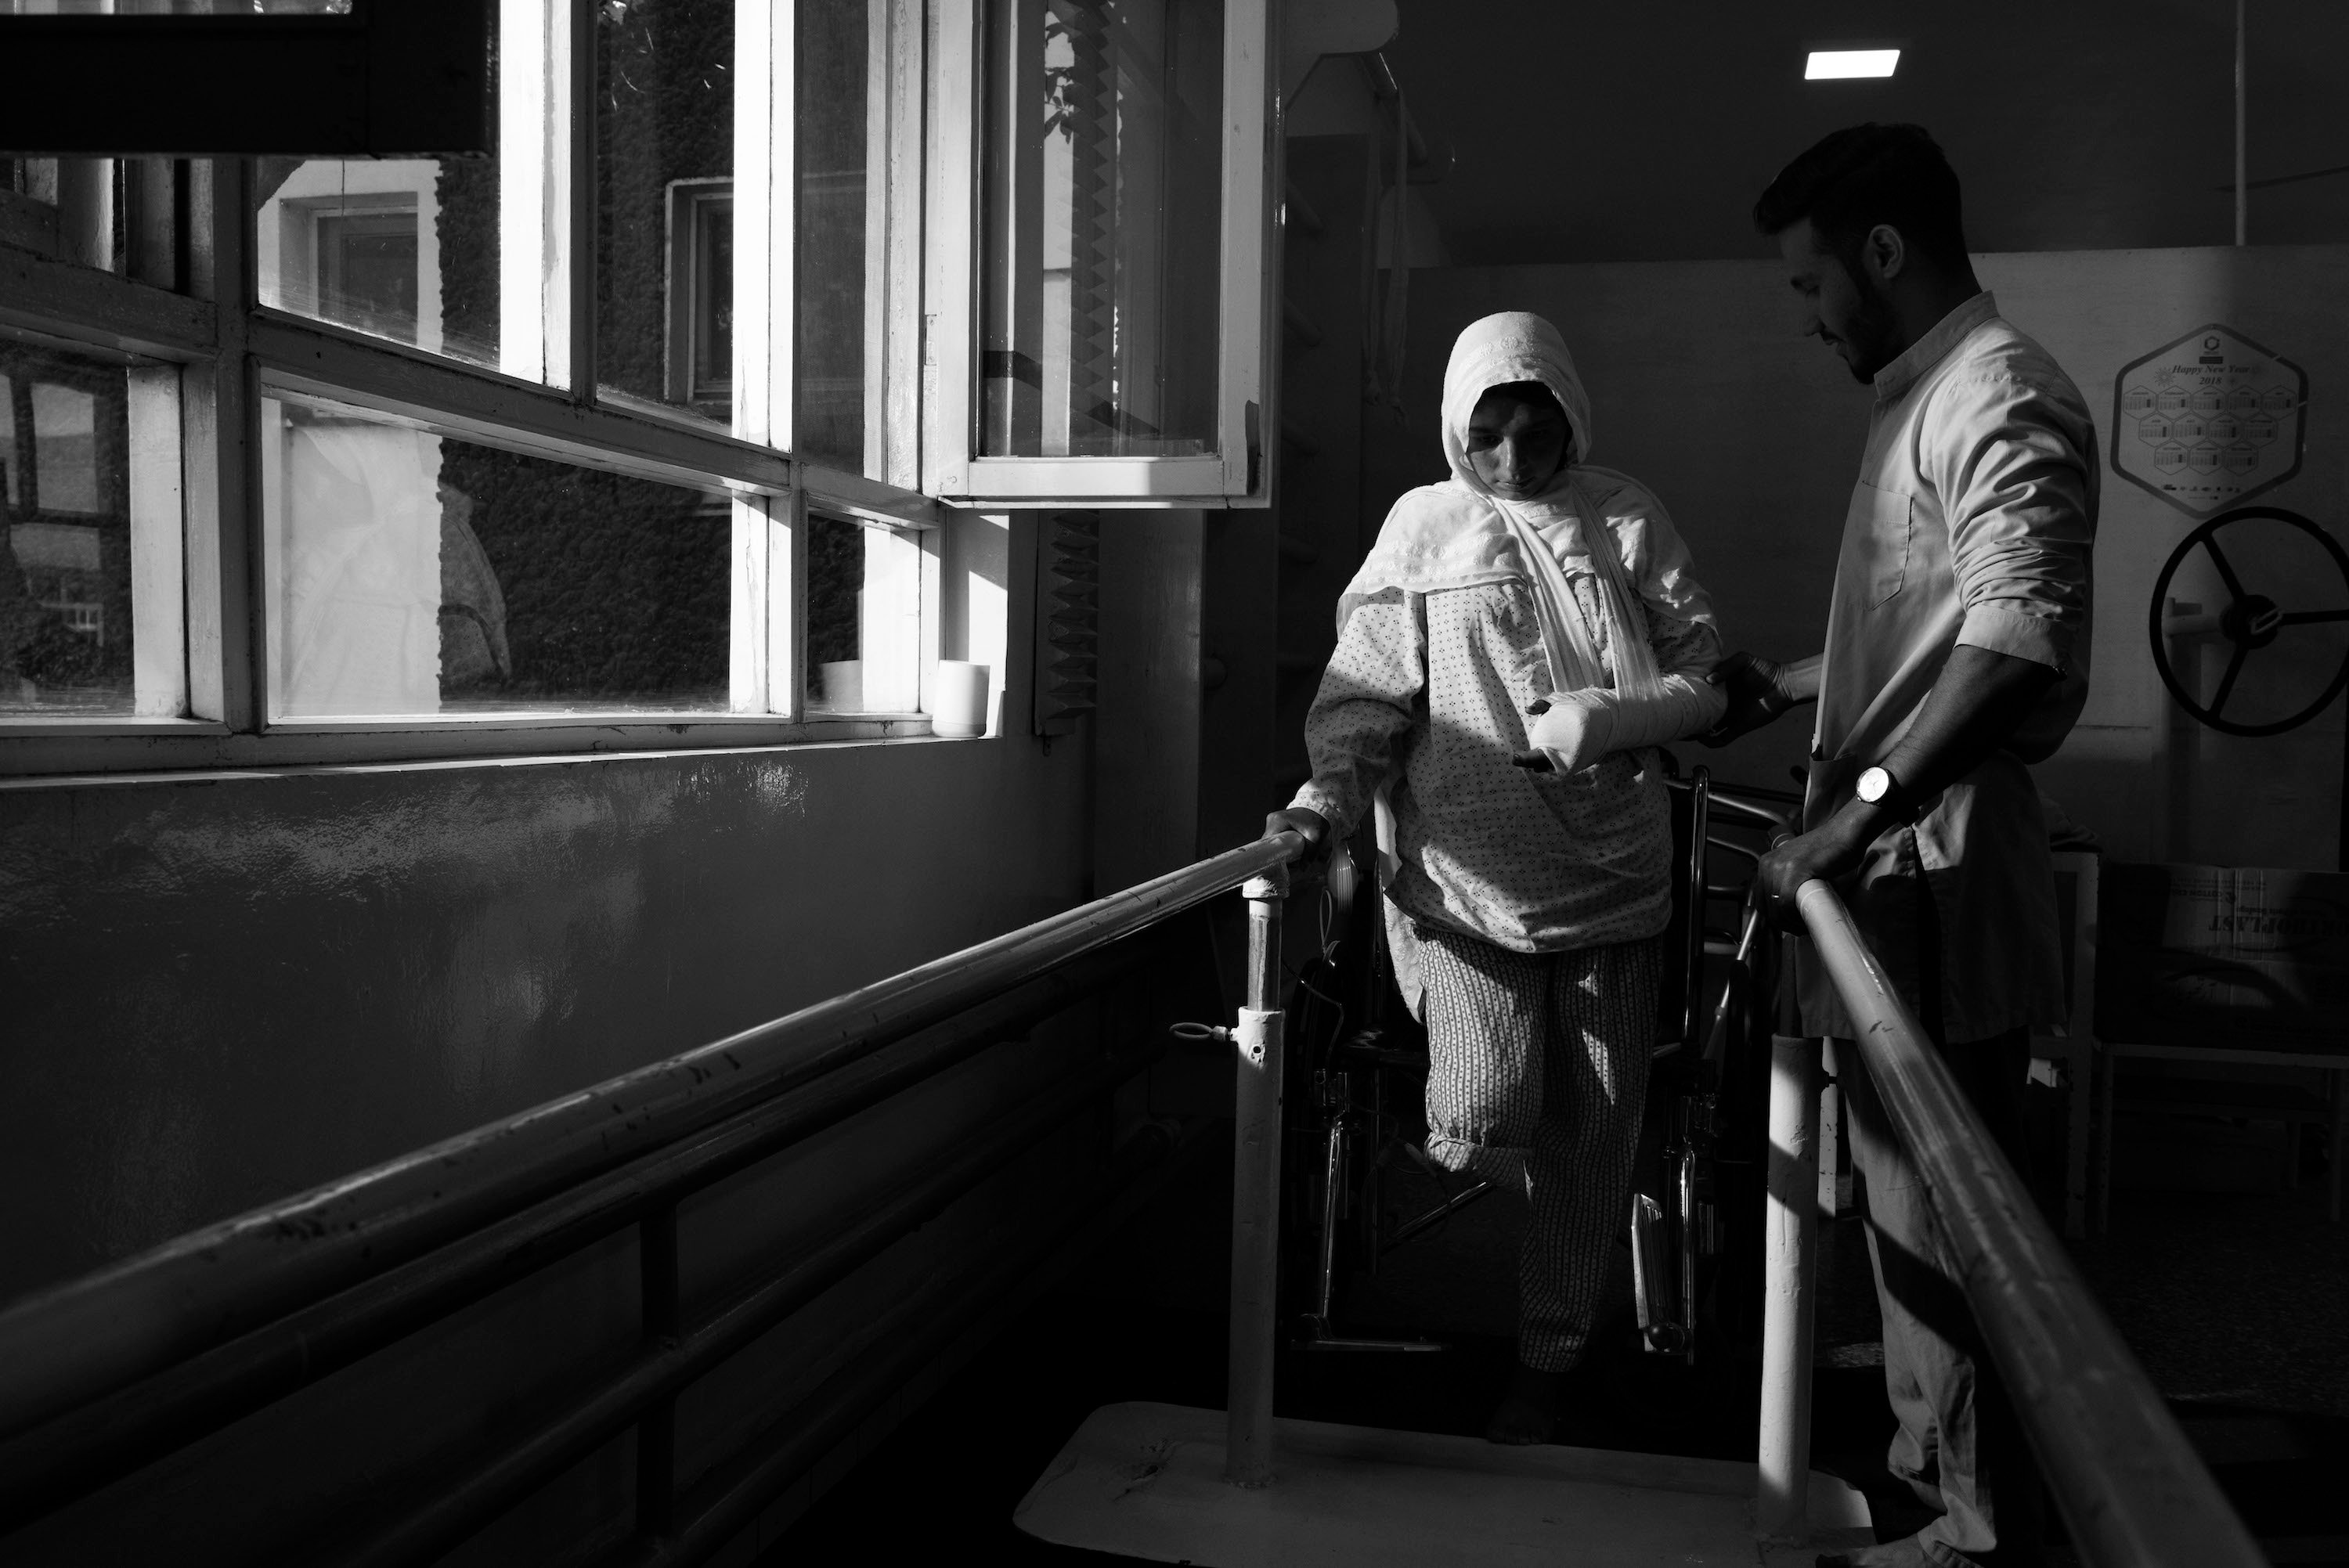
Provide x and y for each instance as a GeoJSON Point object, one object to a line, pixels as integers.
{"type": "Point", "coordinates": [843, 49]}
{"type": "Point", "coordinates": [864, 618]}
{"type": "Point", "coordinates": [122, 214]}
{"type": "Point", "coordinates": [80, 511]}
{"type": "Point", "coordinates": [403, 248]}
{"type": "Point", "coordinates": [413, 573]}
{"type": "Point", "coordinates": [665, 190]}
{"type": "Point", "coordinates": [1104, 220]}
{"type": "Point", "coordinates": [431, 252]}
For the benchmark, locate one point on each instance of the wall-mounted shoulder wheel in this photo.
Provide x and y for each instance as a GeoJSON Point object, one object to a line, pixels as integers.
{"type": "Point", "coordinates": [2249, 623]}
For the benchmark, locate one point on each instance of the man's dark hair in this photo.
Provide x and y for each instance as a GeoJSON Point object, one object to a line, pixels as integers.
{"type": "Point", "coordinates": [1850, 182]}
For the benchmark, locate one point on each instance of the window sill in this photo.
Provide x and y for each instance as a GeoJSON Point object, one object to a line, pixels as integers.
{"type": "Point", "coordinates": [78, 753]}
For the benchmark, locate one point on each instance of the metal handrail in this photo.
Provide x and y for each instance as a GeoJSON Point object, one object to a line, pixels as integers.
{"type": "Point", "coordinates": [91, 1337]}
{"type": "Point", "coordinates": [2130, 1487]}
{"type": "Point", "coordinates": [67, 1458]}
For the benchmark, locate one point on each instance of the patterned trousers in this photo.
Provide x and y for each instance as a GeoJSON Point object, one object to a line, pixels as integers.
{"type": "Point", "coordinates": [1537, 1070]}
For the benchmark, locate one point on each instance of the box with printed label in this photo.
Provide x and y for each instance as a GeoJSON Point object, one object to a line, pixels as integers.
{"type": "Point", "coordinates": [2218, 955]}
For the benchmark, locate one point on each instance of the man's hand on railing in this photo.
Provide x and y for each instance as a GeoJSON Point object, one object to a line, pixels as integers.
{"type": "Point", "coordinates": [1829, 852]}
{"type": "Point", "coordinates": [1307, 825]}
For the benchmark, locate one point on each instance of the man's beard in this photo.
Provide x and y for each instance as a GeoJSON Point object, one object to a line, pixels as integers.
{"type": "Point", "coordinates": [1874, 337]}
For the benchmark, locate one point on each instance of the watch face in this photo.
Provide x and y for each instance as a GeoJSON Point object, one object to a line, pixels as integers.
{"type": "Point", "coordinates": [1873, 784]}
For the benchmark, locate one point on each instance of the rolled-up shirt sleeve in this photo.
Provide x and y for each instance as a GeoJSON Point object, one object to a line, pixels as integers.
{"type": "Point", "coordinates": [1370, 695]}
{"type": "Point", "coordinates": [2017, 477]}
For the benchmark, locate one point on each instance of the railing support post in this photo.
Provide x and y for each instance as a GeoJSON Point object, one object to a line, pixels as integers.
{"type": "Point", "coordinates": [1256, 1190]}
{"type": "Point", "coordinates": [1781, 1500]}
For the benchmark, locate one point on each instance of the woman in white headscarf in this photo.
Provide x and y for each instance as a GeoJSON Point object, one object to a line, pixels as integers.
{"type": "Point", "coordinates": [1520, 638]}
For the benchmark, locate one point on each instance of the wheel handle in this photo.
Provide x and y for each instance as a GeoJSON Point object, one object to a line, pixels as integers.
{"type": "Point", "coordinates": [2249, 623]}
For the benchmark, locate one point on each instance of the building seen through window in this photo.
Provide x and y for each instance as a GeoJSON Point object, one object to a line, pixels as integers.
{"type": "Point", "coordinates": [404, 249]}
{"type": "Point", "coordinates": [65, 622]}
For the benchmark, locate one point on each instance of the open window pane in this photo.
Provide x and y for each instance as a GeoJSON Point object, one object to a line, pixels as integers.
{"type": "Point", "coordinates": [1103, 226]}
{"type": "Point", "coordinates": [664, 195]}
{"type": "Point", "coordinates": [406, 249]}
{"type": "Point", "coordinates": [462, 256]}
{"type": "Point", "coordinates": [864, 618]}
{"type": "Point", "coordinates": [90, 555]}
{"type": "Point", "coordinates": [415, 574]}
{"type": "Point", "coordinates": [843, 62]}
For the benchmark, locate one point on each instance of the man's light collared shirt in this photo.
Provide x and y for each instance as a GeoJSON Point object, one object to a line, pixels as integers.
{"type": "Point", "coordinates": [1972, 522]}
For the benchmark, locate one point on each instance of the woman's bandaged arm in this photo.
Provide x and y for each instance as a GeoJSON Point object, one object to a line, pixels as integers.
{"type": "Point", "coordinates": [1571, 730]}
{"type": "Point", "coordinates": [1577, 729]}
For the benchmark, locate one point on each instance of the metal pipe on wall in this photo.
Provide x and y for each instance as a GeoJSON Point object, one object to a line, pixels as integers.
{"type": "Point", "coordinates": [913, 1335]}
{"type": "Point", "coordinates": [2242, 157]}
{"type": "Point", "coordinates": [67, 1346]}
{"type": "Point", "coordinates": [531, 1458]}
{"type": "Point", "coordinates": [67, 1459]}
{"type": "Point", "coordinates": [2132, 1489]}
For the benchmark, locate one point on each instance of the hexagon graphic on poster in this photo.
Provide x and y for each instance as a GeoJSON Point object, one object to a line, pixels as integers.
{"type": "Point", "coordinates": [2200, 394]}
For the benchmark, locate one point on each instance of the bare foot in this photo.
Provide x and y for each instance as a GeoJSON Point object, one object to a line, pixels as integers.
{"type": "Point", "coordinates": [1528, 1407]}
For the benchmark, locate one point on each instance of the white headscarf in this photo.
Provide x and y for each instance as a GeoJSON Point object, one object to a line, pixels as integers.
{"type": "Point", "coordinates": [1458, 532]}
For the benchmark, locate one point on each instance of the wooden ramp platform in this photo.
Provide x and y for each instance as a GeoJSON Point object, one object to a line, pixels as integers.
{"type": "Point", "coordinates": [1147, 1480]}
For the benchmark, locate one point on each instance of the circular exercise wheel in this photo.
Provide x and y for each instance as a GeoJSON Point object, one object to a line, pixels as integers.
{"type": "Point", "coordinates": [2248, 621]}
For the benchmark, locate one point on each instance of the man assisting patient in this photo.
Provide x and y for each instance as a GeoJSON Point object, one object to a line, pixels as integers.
{"type": "Point", "coordinates": [1957, 653]}
{"type": "Point", "coordinates": [1520, 638]}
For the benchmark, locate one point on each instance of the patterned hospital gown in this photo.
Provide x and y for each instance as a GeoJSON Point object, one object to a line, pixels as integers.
{"type": "Point", "coordinates": [1428, 693]}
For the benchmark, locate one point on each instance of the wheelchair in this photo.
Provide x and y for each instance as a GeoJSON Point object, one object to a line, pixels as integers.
{"type": "Point", "coordinates": [1355, 1099]}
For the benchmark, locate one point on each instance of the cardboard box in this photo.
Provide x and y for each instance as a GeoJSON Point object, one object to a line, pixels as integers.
{"type": "Point", "coordinates": [2214, 955]}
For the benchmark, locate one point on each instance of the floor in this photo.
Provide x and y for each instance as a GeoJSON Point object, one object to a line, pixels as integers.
{"type": "Point", "coordinates": [2239, 1307]}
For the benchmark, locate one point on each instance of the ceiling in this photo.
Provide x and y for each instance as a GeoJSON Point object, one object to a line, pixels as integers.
{"type": "Point", "coordinates": [1644, 131]}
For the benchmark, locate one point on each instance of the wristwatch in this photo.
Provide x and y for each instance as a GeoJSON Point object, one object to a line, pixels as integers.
{"type": "Point", "coordinates": [1878, 788]}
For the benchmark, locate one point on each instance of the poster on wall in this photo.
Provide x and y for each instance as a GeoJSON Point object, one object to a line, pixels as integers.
{"type": "Point", "coordinates": [2209, 422]}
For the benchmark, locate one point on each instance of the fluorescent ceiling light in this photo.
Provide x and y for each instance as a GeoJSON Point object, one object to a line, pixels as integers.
{"type": "Point", "coordinates": [1842, 65]}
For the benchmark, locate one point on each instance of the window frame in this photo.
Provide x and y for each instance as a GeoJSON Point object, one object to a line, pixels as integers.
{"type": "Point", "coordinates": [1240, 472]}
{"type": "Point", "coordinates": [231, 351]}
{"type": "Point", "coordinates": [922, 474]}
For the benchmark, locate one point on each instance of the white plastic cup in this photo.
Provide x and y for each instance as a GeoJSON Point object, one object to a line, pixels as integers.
{"type": "Point", "coordinates": [839, 686]}
{"type": "Point", "coordinates": [959, 708]}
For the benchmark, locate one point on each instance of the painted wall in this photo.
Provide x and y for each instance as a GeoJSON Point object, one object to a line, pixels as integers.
{"type": "Point", "coordinates": [1751, 435]}
{"type": "Point", "coordinates": [225, 989]}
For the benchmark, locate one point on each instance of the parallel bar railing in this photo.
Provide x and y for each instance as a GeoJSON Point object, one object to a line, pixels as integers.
{"type": "Point", "coordinates": [141, 1357]}
{"type": "Point", "coordinates": [111, 1370]}
{"type": "Point", "coordinates": [2131, 1489]}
